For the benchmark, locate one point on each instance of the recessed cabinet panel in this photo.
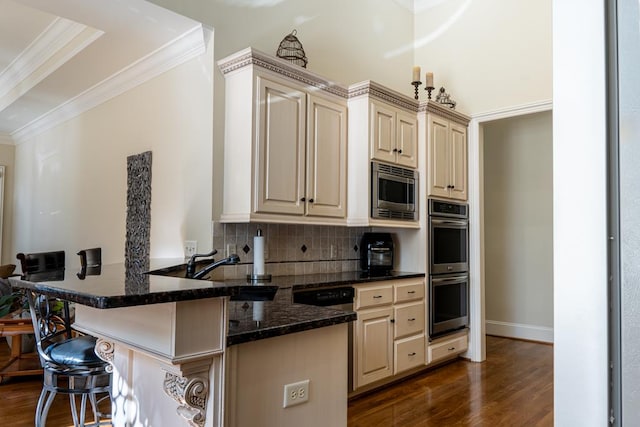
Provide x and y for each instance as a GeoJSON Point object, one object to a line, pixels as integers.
{"type": "Point", "coordinates": [375, 350]}
{"type": "Point", "coordinates": [281, 149]}
{"type": "Point", "coordinates": [447, 165]}
{"type": "Point", "coordinates": [373, 296]}
{"type": "Point", "coordinates": [458, 161]}
{"type": "Point", "coordinates": [439, 165]}
{"type": "Point", "coordinates": [384, 133]}
{"type": "Point", "coordinates": [327, 158]}
{"type": "Point", "coordinates": [406, 139]}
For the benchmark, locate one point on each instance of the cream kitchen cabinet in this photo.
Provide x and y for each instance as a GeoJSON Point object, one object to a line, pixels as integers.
{"type": "Point", "coordinates": [383, 127]}
{"type": "Point", "coordinates": [394, 135]}
{"type": "Point", "coordinates": [447, 156]}
{"type": "Point", "coordinates": [389, 336]}
{"type": "Point", "coordinates": [285, 151]}
{"type": "Point", "coordinates": [447, 347]}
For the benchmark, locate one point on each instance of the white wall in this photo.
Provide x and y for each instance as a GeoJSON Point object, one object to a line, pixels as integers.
{"type": "Point", "coordinates": [579, 214]}
{"type": "Point", "coordinates": [488, 54]}
{"type": "Point", "coordinates": [518, 220]}
{"type": "Point", "coordinates": [70, 182]}
{"type": "Point", "coordinates": [345, 41]}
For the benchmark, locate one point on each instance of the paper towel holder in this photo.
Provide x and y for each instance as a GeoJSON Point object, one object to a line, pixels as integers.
{"type": "Point", "coordinates": [261, 277]}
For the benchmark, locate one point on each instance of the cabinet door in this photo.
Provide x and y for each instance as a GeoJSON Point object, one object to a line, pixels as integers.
{"type": "Point", "coordinates": [374, 346]}
{"type": "Point", "coordinates": [458, 148]}
{"type": "Point", "coordinates": [407, 139]}
{"type": "Point", "coordinates": [409, 353]}
{"type": "Point", "coordinates": [280, 169]}
{"type": "Point", "coordinates": [326, 193]}
{"type": "Point", "coordinates": [438, 174]}
{"type": "Point", "coordinates": [383, 133]}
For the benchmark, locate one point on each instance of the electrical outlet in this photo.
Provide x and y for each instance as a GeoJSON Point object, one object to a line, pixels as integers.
{"type": "Point", "coordinates": [231, 249]}
{"type": "Point", "coordinates": [296, 393]}
{"type": "Point", "coordinates": [190, 248]}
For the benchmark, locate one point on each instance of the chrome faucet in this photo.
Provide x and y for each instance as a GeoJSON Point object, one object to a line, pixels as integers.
{"type": "Point", "coordinates": [191, 264]}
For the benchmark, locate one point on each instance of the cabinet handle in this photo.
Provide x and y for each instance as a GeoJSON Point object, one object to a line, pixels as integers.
{"type": "Point", "coordinates": [392, 320]}
{"type": "Point", "coordinates": [377, 296]}
{"type": "Point", "coordinates": [303, 199]}
{"type": "Point", "coordinates": [451, 348]}
{"type": "Point", "coordinates": [412, 354]}
{"type": "Point", "coordinates": [412, 319]}
{"type": "Point", "coordinates": [411, 292]}
{"type": "Point", "coordinates": [310, 200]}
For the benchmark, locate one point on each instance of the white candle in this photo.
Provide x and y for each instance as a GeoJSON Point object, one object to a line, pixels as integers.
{"type": "Point", "coordinates": [429, 79]}
{"type": "Point", "coordinates": [416, 74]}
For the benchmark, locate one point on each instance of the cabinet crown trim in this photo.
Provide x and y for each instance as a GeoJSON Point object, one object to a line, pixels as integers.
{"type": "Point", "coordinates": [376, 90]}
{"type": "Point", "coordinates": [443, 111]}
{"type": "Point", "coordinates": [251, 56]}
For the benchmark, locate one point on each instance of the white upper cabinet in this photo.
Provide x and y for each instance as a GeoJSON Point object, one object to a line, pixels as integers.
{"type": "Point", "coordinates": [285, 150]}
{"type": "Point", "coordinates": [394, 135]}
{"type": "Point", "coordinates": [383, 127]}
{"type": "Point", "coordinates": [447, 175]}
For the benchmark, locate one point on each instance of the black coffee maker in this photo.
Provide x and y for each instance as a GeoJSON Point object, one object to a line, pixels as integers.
{"type": "Point", "coordinates": [376, 253]}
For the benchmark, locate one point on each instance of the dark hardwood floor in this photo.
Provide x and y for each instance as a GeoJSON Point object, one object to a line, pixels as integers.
{"type": "Point", "coordinates": [513, 387]}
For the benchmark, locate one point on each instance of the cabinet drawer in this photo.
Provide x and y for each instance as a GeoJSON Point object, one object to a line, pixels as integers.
{"type": "Point", "coordinates": [409, 291]}
{"type": "Point", "coordinates": [409, 353]}
{"type": "Point", "coordinates": [373, 296]}
{"type": "Point", "coordinates": [408, 319]}
{"type": "Point", "coordinates": [445, 349]}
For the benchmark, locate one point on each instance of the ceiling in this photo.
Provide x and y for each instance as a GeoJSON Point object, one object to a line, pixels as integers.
{"type": "Point", "coordinates": [60, 58]}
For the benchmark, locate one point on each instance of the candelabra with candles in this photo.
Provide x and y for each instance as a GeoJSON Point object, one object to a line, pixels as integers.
{"type": "Point", "coordinates": [429, 87]}
{"type": "Point", "coordinates": [416, 80]}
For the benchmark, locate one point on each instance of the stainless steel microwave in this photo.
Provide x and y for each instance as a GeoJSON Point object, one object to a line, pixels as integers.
{"type": "Point", "coordinates": [394, 192]}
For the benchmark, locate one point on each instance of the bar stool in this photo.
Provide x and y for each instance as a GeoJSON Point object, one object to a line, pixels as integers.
{"type": "Point", "coordinates": [70, 364]}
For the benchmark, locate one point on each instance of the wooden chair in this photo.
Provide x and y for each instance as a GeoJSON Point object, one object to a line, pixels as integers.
{"type": "Point", "coordinates": [19, 363]}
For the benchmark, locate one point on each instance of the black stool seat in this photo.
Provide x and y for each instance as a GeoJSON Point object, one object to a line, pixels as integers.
{"type": "Point", "coordinates": [75, 352]}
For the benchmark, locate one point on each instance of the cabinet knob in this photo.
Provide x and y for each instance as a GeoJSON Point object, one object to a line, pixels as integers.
{"type": "Point", "coordinates": [412, 354]}
{"type": "Point", "coordinates": [399, 151]}
{"type": "Point", "coordinates": [392, 320]}
{"type": "Point", "coordinates": [412, 319]}
{"type": "Point", "coordinates": [453, 186]}
{"type": "Point", "coordinates": [451, 348]}
{"type": "Point", "coordinates": [395, 150]}
{"type": "Point", "coordinates": [310, 200]}
{"type": "Point", "coordinates": [303, 199]}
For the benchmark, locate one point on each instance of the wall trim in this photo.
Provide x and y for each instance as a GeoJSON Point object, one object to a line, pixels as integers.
{"type": "Point", "coordinates": [178, 51]}
{"type": "Point", "coordinates": [518, 110]}
{"type": "Point", "coordinates": [519, 331]}
{"type": "Point", "coordinates": [477, 342]}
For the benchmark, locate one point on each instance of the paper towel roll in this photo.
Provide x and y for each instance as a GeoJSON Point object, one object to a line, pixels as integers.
{"type": "Point", "coordinates": [258, 253]}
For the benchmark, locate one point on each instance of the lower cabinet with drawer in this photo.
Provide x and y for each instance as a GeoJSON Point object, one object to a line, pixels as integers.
{"type": "Point", "coordinates": [447, 347]}
{"type": "Point", "coordinates": [389, 335]}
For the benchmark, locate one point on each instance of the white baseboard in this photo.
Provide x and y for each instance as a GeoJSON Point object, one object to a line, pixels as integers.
{"type": "Point", "coordinates": [519, 330]}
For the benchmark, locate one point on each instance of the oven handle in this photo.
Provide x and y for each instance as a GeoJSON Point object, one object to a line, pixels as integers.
{"type": "Point", "coordinates": [455, 279]}
{"type": "Point", "coordinates": [461, 223]}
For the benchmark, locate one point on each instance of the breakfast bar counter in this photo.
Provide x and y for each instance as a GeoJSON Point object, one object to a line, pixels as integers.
{"type": "Point", "coordinates": [201, 343]}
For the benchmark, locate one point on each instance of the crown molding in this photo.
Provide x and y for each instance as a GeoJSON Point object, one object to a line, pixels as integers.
{"type": "Point", "coordinates": [178, 51]}
{"type": "Point", "coordinates": [516, 110]}
{"type": "Point", "coordinates": [251, 56]}
{"type": "Point", "coordinates": [55, 45]}
{"type": "Point", "coordinates": [444, 111]}
{"type": "Point", "coordinates": [390, 96]}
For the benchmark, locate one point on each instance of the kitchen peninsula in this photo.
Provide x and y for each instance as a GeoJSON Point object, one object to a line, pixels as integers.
{"type": "Point", "coordinates": [196, 352]}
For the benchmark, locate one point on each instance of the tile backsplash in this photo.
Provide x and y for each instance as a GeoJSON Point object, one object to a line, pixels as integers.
{"type": "Point", "coordinates": [289, 248]}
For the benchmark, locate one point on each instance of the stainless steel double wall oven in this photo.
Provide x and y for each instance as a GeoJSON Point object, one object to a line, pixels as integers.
{"type": "Point", "coordinates": [448, 267]}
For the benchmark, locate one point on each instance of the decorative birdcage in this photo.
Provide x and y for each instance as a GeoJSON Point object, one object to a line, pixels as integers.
{"type": "Point", "coordinates": [291, 49]}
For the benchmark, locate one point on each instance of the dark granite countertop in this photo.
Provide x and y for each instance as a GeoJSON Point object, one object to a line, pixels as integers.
{"type": "Point", "coordinates": [110, 286]}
